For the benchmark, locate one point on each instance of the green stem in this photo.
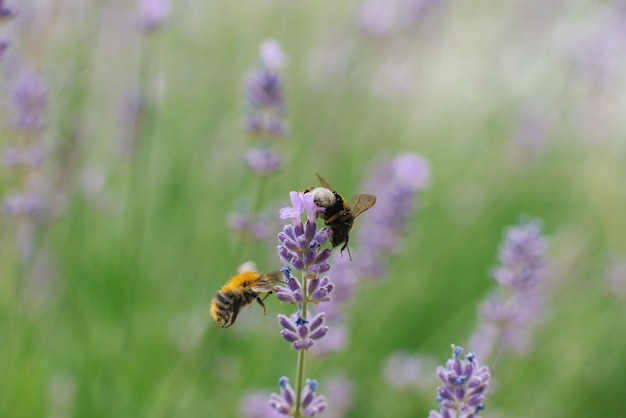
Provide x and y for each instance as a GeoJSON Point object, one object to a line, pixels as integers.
{"type": "Point", "coordinates": [301, 353]}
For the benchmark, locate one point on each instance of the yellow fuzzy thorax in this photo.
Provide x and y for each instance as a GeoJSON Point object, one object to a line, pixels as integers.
{"type": "Point", "coordinates": [238, 281]}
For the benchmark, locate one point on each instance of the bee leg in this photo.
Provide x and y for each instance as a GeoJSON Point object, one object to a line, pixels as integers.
{"type": "Point", "coordinates": [233, 317]}
{"type": "Point", "coordinates": [345, 247]}
{"type": "Point", "coordinates": [258, 299]}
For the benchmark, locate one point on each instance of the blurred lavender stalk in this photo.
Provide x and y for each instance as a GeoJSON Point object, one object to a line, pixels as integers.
{"type": "Point", "coordinates": [29, 102]}
{"type": "Point", "coordinates": [508, 317]}
{"type": "Point", "coordinates": [378, 235]}
{"type": "Point", "coordinates": [265, 121]}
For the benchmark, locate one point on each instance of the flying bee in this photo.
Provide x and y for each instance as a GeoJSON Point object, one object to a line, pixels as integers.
{"type": "Point", "coordinates": [239, 292]}
{"type": "Point", "coordinates": [339, 216]}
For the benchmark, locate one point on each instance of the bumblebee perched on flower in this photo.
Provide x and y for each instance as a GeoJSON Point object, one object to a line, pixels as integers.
{"type": "Point", "coordinates": [339, 216]}
{"type": "Point", "coordinates": [241, 291]}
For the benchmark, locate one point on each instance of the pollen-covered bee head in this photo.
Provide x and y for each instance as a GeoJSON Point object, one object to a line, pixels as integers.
{"type": "Point", "coordinates": [323, 197]}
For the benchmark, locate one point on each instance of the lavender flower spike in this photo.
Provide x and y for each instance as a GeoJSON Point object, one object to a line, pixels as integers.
{"type": "Point", "coordinates": [30, 102]}
{"type": "Point", "coordinates": [463, 386]}
{"type": "Point", "coordinates": [264, 93]}
{"type": "Point", "coordinates": [310, 404]}
{"type": "Point", "coordinates": [508, 316]}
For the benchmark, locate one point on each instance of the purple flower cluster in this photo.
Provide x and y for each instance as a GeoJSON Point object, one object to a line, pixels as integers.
{"type": "Point", "coordinates": [300, 244]}
{"type": "Point", "coordinates": [264, 93]}
{"type": "Point", "coordinates": [463, 386]}
{"type": "Point", "coordinates": [302, 333]}
{"type": "Point", "coordinates": [153, 14]}
{"type": "Point", "coordinates": [310, 403]}
{"type": "Point", "coordinates": [397, 185]}
{"type": "Point", "coordinates": [507, 316]}
{"type": "Point", "coordinates": [6, 12]}
{"type": "Point", "coordinates": [29, 100]}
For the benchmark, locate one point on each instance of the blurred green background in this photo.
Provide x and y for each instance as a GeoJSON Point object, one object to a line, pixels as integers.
{"type": "Point", "coordinates": [518, 106]}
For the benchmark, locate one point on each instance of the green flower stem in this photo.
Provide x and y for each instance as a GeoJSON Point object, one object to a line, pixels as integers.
{"type": "Point", "coordinates": [301, 353]}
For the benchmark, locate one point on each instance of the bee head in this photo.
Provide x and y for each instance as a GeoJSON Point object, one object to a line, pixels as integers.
{"type": "Point", "coordinates": [323, 197]}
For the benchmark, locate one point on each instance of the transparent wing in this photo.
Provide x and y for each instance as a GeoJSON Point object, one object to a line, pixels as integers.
{"type": "Point", "coordinates": [323, 182]}
{"type": "Point", "coordinates": [361, 202]}
{"type": "Point", "coordinates": [266, 282]}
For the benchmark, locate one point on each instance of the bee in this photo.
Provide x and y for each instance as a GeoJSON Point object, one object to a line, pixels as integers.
{"type": "Point", "coordinates": [339, 216]}
{"type": "Point", "coordinates": [241, 291]}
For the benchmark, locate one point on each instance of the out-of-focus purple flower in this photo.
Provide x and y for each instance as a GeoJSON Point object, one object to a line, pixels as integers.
{"type": "Point", "coordinates": [256, 405]}
{"type": "Point", "coordinates": [339, 391]}
{"type": "Point", "coordinates": [29, 101]}
{"type": "Point", "coordinates": [153, 14]}
{"type": "Point", "coordinates": [271, 54]}
{"type": "Point", "coordinates": [263, 161]}
{"type": "Point", "coordinates": [463, 386]}
{"type": "Point", "coordinates": [396, 185]}
{"type": "Point", "coordinates": [246, 224]}
{"type": "Point", "coordinates": [507, 316]}
{"type": "Point", "coordinates": [404, 370]}
{"type": "Point", "coordinates": [4, 45]}
{"type": "Point", "coordinates": [310, 403]}
{"type": "Point", "coordinates": [31, 157]}
{"type": "Point", "coordinates": [522, 257]}
{"type": "Point", "coordinates": [22, 205]}
{"type": "Point", "coordinates": [264, 93]}
{"type": "Point", "coordinates": [385, 17]}
{"type": "Point", "coordinates": [6, 13]}
{"type": "Point", "coordinates": [598, 50]}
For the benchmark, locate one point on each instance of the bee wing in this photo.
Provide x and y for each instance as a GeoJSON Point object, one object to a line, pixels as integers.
{"type": "Point", "coordinates": [361, 202]}
{"type": "Point", "coordinates": [323, 182]}
{"type": "Point", "coordinates": [266, 282]}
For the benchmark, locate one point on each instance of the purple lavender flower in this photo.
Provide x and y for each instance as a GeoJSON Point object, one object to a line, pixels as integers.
{"type": "Point", "coordinates": [507, 316]}
{"type": "Point", "coordinates": [302, 333]}
{"type": "Point", "coordinates": [264, 93]}
{"type": "Point", "coordinates": [255, 405]}
{"type": "Point", "coordinates": [153, 14]}
{"type": "Point", "coordinates": [30, 102]}
{"type": "Point", "coordinates": [263, 161]}
{"type": "Point", "coordinates": [4, 45]}
{"type": "Point", "coordinates": [6, 13]}
{"type": "Point", "coordinates": [246, 224]}
{"type": "Point", "coordinates": [463, 386]}
{"type": "Point", "coordinates": [25, 205]}
{"type": "Point", "coordinates": [300, 244]}
{"type": "Point", "coordinates": [30, 158]}
{"type": "Point", "coordinates": [271, 54]}
{"type": "Point", "coordinates": [310, 403]}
